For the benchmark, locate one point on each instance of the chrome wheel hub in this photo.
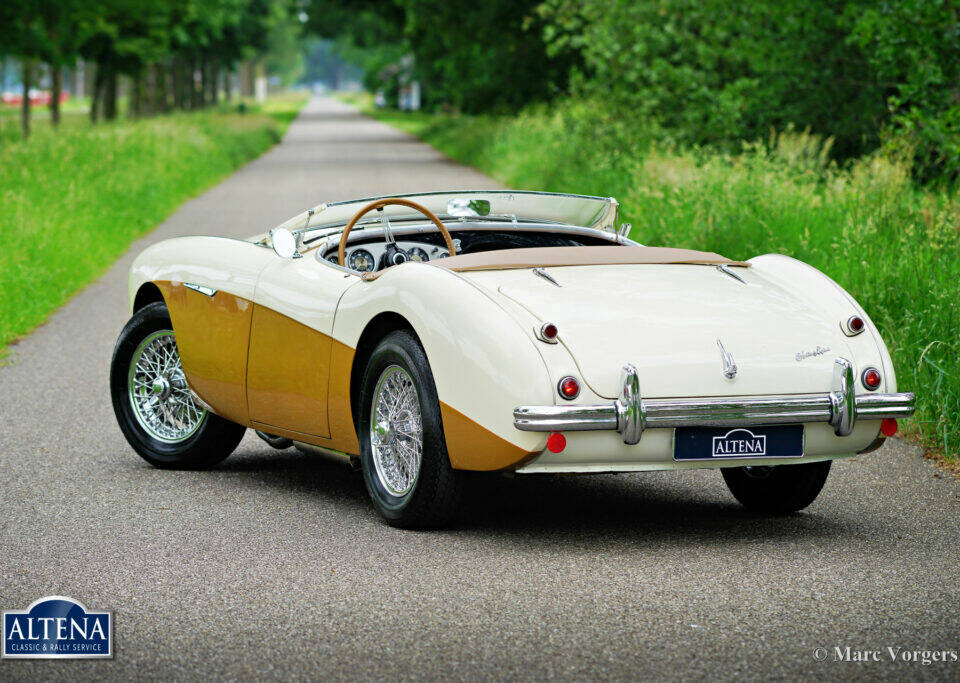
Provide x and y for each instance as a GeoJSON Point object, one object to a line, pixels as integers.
{"type": "Point", "coordinates": [161, 388]}
{"type": "Point", "coordinates": [159, 395]}
{"type": "Point", "coordinates": [396, 431]}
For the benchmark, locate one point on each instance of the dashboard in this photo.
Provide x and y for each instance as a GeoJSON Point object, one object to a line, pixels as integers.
{"type": "Point", "coordinates": [366, 258]}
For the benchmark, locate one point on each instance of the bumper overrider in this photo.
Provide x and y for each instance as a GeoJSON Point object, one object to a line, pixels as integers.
{"type": "Point", "coordinates": [631, 413]}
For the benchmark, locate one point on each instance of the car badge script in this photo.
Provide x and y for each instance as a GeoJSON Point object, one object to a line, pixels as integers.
{"type": "Point", "coordinates": [56, 627]}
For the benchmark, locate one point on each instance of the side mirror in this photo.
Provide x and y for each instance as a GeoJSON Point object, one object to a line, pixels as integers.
{"type": "Point", "coordinates": [468, 207]}
{"type": "Point", "coordinates": [285, 243]}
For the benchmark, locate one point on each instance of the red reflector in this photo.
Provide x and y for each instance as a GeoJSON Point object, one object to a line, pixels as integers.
{"type": "Point", "coordinates": [871, 378]}
{"type": "Point", "coordinates": [888, 426]}
{"type": "Point", "coordinates": [549, 331]}
{"type": "Point", "coordinates": [556, 442]}
{"type": "Point", "coordinates": [569, 388]}
{"type": "Point", "coordinates": [855, 323]}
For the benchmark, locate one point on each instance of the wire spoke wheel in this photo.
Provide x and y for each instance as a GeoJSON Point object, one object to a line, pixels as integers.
{"type": "Point", "coordinates": [396, 431]}
{"type": "Point", "coordinates": [159, 395]}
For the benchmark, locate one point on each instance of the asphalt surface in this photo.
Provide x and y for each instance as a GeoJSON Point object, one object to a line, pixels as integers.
{"type": "Point", "coordinates": [274, 565]}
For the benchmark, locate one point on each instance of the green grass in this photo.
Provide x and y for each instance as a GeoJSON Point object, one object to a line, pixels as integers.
{"type": "Point", "coordinates": [72, 200]}
{"type": "Point", "coordinates": [893, 245]}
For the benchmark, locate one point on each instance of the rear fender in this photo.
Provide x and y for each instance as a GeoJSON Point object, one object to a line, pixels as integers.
{"type": "Point", "coordinates": [484, 364]}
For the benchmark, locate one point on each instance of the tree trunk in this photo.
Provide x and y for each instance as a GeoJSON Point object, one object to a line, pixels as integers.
{"type": "Point", "coordinates": [56, 87]}
{"type": "Point", "coordinates": [135, 106]}
{"type": "Point", "coordinates": [246, 78]}
{"type": "Point", "coordinates": [25, 107]}
{"type": "Point", "coordinates": [96, 94]}
{"type": "Point", "coordinates": [204, 81]}
{"type": "Point", "coordinates": [196, 92]}
{"type": "Point", "coordinates": [162, 102]}
{"type": "Point", "coordinates": [110, 94]}
{"type": "Point", "coordinates": [175, 84]}
{"type": "Point", "coordinates": [149, 95]}
{"type": "Point", "coordinates": [214, 83]}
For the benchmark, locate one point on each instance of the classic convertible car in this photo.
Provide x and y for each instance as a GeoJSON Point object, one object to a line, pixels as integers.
{"type": "Point", "coordinates": [425, 336]}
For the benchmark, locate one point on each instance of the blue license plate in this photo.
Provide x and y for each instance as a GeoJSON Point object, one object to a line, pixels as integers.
{"type": "Point", "coordinates": [737, 443]}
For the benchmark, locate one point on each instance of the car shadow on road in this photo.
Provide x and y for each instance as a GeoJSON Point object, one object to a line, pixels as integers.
{"type": "Point", "coordinates": [657, 508]}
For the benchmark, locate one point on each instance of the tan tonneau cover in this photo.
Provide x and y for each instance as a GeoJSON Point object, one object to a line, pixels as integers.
{"type": "Point", "coordinates": [537, 257]}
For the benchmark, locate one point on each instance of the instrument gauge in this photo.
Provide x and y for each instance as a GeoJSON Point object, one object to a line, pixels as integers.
{"type": "Point", "coordinates": [362, 261]}
{"type": "Point", "coordinates": [417, 254]}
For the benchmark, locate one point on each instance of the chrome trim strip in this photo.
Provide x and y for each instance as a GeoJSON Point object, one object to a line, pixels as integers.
{"type": "Point", "coordinates": [630, 414]}
{"type": "Point", "coordinates": [723, 268]}
{"type": "Point", "coordinates": [209, 291]}
{"type": "Point", "coordinates": [546, 276]}
{"type": "Point", "coordinates": [203, 404]}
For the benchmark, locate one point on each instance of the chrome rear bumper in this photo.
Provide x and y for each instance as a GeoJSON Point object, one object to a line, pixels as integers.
{"type": "Point", "coordinates": [631, 414]}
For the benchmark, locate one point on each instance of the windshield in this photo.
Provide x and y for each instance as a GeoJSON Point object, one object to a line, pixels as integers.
{"type": "Point", "coordinates": [503, 205]}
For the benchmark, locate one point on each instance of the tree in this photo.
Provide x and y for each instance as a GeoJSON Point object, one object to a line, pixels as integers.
{"type": "Point", "coordinates": [913, 45]}
{"type": "Point", "coordinates": [63, 25]}
{"type": "Point", "coordinates": [471, 56]}
{"type": "Point", "coordinates": [20, 35]}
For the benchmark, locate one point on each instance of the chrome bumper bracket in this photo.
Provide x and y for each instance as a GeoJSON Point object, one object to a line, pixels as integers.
{"type": "Point", "coordinates": [631, 414]}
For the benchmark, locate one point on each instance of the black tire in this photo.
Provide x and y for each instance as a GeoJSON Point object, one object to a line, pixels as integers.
{"type": "Point", "coordinates": [212, 441]}
{"type": "Point", "coordinates": [779, 490]}
{"type": "Point", "coordinates": [436, 492]}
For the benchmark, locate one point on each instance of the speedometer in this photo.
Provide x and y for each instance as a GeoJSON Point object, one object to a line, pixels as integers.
{"type": "Point", "coordinates": [361, 260]}
{"type": "Point", "coordinates": [417, 254]}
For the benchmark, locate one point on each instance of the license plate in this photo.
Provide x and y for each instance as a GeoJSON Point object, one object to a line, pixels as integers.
{"type": "Point", "coordinates": [737, 443]}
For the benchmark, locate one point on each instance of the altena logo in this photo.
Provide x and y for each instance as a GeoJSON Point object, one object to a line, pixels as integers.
{"type": "Point", "coordinates": [739, 443]}
{"type": "Point", "coordinates": [56, 627]}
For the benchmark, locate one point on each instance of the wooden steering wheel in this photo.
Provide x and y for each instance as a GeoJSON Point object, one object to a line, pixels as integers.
{"type": "Point", "coordinates": [379, 204]}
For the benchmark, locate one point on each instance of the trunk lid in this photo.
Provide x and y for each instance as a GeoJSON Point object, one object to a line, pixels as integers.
{"type": "Point", "coordinates": [666, 320]}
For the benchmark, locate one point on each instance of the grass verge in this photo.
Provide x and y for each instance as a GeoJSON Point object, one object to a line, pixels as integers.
{"type": "Point", "coordinates": [894, 246]}
{"type": "Point", "coordinates": [72, 200]}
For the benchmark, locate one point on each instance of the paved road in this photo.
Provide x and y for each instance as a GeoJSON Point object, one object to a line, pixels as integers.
{"type": "Point", "coordinates": [275, 566]}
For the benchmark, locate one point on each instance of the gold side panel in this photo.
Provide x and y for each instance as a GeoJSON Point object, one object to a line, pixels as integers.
{"type": "Point", "coordinates": [287, 373]}
{"type": "Point", "coordinates": [212, 336]}
{"type": "Point", "coordinates": [472, 447]}
{"type": "Point", "coordinates": [341, 415]}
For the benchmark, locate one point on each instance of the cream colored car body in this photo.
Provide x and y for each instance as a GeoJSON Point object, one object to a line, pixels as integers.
{"type": "Point", "coordinates": [478, 330]}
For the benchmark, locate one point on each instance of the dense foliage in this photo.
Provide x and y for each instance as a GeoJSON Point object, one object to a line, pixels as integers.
{"type": "Point", "coordinates": [474, 57]}
{"type": "Point", "coordinates": [860, 72]}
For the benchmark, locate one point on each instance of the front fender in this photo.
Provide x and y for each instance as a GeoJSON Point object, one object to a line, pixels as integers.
{"type": "Point", "coordinates": [220, 263]}
{"type": "Point", "coordinates": [484, 364]}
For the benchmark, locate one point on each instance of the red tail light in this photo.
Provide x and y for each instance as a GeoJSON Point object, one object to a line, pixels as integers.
{"type": "Point", "coordinates": [855, 325]}
{"type": "Point", "coordinates": [569, 388]}
{"type": "Point", "coordinates": [556, 442]}
{"type": "Point", "coordinates": [871, 378]}
{"type": "Point", "coordinates": [547, 332]}
{"type": "Point", "coordinates": [888, 426]}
